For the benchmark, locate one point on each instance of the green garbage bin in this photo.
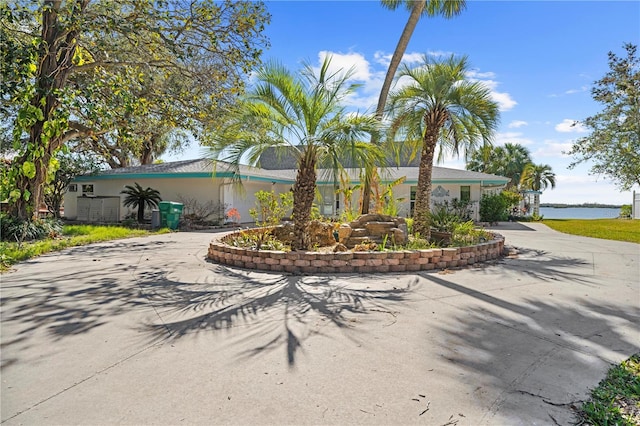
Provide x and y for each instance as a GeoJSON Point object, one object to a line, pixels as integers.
{"type": "Point", "coordinates": [170, 213]}
{"type": "Point", "coordinates": [176, 208]}
{"type": "Point", "coordinates": [164, 207]}
{"type": "Point", "coordinates": [173, 219]}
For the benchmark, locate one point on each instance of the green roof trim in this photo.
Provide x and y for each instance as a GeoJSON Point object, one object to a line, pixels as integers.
{"type": "Point", "coordinates": [191, 175]}
{"type": "Point", "coordinates": [482, 182]}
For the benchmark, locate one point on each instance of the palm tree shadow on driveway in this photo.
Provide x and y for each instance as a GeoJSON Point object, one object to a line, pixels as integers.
{"type": "Point", "coordinates": [284, 306]}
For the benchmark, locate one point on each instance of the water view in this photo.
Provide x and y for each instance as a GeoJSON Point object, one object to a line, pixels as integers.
{"type": "Point", "coordinates": [579, 212]}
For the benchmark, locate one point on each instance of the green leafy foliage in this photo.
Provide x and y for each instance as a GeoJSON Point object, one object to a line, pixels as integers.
{"type": "Point", "coordinates": [466, 233]}
{"type": "Point", "coordinates": [270, 209]}
{"type": "Point", "coordinates": [625, 211]}
{"type": "Point", "coordinates": [72, 236]}
{"type": "Point", "coordinates": [300, 114]}
{"type": "Point", "coordinates": [139, 198]}
{"type": "Point", "coordinates": [494, 208]}
{"type": "Point", "coordinates": [615, 400]}
{"type": "Point", "coordinates": [16, 229]}
{"type": "Point", "coordinates": [613, 147]}
{"type": "Point", "coordinates": [509, 160]}
{"type": "Point", "coordinates": [135, 73]}
{"type": "Point", "coordinates": [439, 107]}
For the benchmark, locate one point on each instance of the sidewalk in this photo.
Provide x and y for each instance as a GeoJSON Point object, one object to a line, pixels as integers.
{"type": "Point", "coordinates": [146, 331]}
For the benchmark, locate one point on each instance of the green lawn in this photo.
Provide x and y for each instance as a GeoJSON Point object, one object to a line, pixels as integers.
{"type": "Point", "coordinates": [616, 400]}
{"type": "Point", "coordinates": [608, 229]}
{"type": "Point", "coordinates": [72, 236]}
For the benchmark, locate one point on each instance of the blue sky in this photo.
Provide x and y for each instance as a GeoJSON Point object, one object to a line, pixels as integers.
{"type": "Point", "coordinates": [540, 59]}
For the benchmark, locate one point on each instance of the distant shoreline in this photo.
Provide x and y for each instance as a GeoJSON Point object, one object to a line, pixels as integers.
{"type": "Point", "coordinates": [583, 205]}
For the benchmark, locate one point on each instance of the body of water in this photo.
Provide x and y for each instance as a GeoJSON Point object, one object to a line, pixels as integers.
{"type": "Point", "coordinates": [579, 213]}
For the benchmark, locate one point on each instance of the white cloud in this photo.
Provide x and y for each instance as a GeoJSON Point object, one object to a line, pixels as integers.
{"type": "Point", "coordinates": [580, 90]}
{"type": "Point", "coordinates": [570, 126]}
{"type": "Point", "coordinates": [553, 149]}
{"type": "Point", "coordinates": [512, 137]}
{"type": "Point", "coordinates": [384, 59]}
{"type": "Point", "coordinates": [347, 61]}
{"type": "Point", "coordinates": [517, 123]}
{"type": "Point", "coordinates": [503, 99]}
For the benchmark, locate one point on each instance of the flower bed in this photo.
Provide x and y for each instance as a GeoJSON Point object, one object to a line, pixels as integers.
{"type": "Point", "coordinates": [301, 262]}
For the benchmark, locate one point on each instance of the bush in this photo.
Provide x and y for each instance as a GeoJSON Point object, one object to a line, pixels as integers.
{"type": "Point", "coordinates": [625, 211]}
{"type": "Point", "coordinates": [442, 219]}
{"type": "Point", "coordinates": [494, 208]}
{"type": "Point", "coordinates": [18, 230]}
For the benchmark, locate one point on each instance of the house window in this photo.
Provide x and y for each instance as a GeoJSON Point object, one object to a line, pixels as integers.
{"type": "Point", "coordinates": [465, 193]}
{"type": "Point", "coordinates": [87, 189]}
{"type": "Point", "coordinates": [412, 204]}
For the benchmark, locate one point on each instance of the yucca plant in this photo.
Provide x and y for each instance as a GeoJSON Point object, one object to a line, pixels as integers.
{"type": "Point", "coordinates": [139, 198]}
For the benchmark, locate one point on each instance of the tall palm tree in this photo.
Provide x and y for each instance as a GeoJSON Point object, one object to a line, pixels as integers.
{"type": "Point", "coordinates": [417, 9]}
{"type": "Point", "coordinates": [438, 105]}
{"type": "Point", "coordinates": [140, 198]}
{"type": "Point", "coordinates": [508, 160]}
{"type": "Point", "coordinates": [537, 178]}
{"type": "Point", "coordinates": [300, 115]}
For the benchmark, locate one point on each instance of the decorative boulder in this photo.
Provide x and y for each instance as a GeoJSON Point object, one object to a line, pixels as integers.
{"type": "Point", "coordinates": [321, 233]}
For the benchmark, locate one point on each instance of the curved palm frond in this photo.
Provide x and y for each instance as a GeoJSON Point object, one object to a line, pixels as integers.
{"type": "Point", "coordinates": [302, 114]}
{"type": "Point", "coordinates": [437, 107]}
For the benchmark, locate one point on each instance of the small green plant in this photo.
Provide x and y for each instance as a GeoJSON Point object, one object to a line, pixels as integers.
{"type": "Point", "coordinates": [269, 211]}
{"type": "Point", "coordinates": [137, 197]}
{"type": "Point", "coordinates": [615, 400]}
{"type": "Point", "coordinates": [442, 219]}
{"type": "Point", "coordinates": [256, 240]}
{"type": "Point", "coordinates": [18, 230]}
{"type": "Point", "coordinates": [383, 245]}
{"type": "Point", "coordinates": [537, 217]}
{"type": "Point", "coordinates": [466, 234]}
{"type": "Point", "coordinates": [416, 242]}
{"type": "Point", "coordinates": [625, 211]}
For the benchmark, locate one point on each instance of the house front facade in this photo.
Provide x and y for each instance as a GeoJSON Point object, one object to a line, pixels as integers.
{"type": "Point", "coordinates": [98, 198]}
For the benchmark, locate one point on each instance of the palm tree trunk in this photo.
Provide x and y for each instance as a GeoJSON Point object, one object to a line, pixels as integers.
{"type": "Point", "coordinates": [423, 191]}
{"type": "Point", "coordinates": [396, 59]}
{"type": "Point", "coordinates": [304, 191]}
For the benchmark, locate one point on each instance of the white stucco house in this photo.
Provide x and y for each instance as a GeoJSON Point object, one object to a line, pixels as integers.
{"type": "Point", "coordinates": [97, 198]}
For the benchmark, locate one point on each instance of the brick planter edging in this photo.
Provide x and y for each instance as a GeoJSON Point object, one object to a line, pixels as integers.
{"type": "Point", "coordinates": [301, 262]}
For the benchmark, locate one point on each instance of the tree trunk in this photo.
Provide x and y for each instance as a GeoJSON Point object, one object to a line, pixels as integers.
{"type": "Point", "coordinates": [57, 49]}
{"type": "Point", "coordinates": [423, 191]}
{"type": "Point", "coordinates": [304, 191]}
{"type": "Point", "coordinates": [396, 59]}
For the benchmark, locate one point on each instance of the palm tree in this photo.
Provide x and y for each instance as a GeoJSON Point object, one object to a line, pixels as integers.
{"type": "Point", "coordinates": [300, 115]}
{"type": "Point", "coordinates": [508, 160]}
{"type": "Point", "coordinates": [417, 9]}
{"type": "Point", "coordinates": [139, 198]}
{"type": "Point", "coordinates": [537, 178]}
{"type": "Point", "coordinates": [438, 105]}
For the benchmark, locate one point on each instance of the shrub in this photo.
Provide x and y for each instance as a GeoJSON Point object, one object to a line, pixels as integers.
{"type": "Point", "coordinates": [442, 219]}
{"type": "Point", "coordinates": [625, 211]}
{"type": "Point", "coordinates": [195, 212]}
{"type": "Point", "coordinates": [494, 208]}
{"type": "Point", "coordinates": [466, 234]}
{"type": "Point", "coordinates": [18, 230]}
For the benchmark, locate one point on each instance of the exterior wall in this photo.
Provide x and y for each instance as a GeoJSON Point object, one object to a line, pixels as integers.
{"type": "Point", "coordinates": [202, 189]}
{"type": "Point", "coordinates": [403, 191]}
{"type": "Point", "coordinates": [244, 199]}
{"type": "Point", "coordinates": [171, 189]}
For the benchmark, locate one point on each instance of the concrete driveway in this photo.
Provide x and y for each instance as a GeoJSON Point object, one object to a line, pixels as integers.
{"type": "Point", "coordinates": [146, 331]}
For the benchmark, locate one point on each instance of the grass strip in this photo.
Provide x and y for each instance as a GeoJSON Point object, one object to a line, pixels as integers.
{"type": "Point", "coordinates": [616, 400]}
{"type": "Point", "coordinates": [72, 236]}
{"type": "Point", "coordinates": [608, 229]}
